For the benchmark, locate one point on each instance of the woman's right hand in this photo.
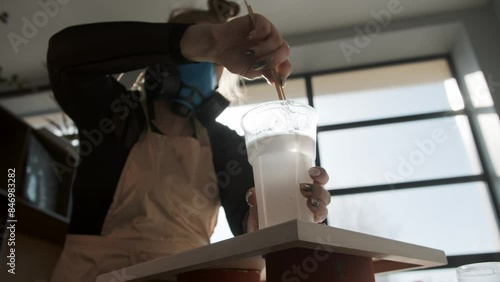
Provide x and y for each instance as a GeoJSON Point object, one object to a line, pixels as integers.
{"type": "Point", "coordinates": [249, 52]}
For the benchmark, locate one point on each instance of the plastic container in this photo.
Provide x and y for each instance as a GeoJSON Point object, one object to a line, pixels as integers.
{"type": "Point", "coordinates": [479, 272]}
{"type": "Point", "coordinates": [281, 143]}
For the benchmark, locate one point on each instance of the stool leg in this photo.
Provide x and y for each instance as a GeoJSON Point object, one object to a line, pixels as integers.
{"type": "Point", "coordinates": [298, 264]}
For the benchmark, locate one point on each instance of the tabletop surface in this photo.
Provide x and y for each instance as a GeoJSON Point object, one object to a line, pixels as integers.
{"type": "Point", "coordinates": [246, 251]}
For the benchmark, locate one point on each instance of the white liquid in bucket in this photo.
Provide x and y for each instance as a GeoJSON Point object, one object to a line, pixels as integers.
{"type": "Point", "coordinates": [279, 164]}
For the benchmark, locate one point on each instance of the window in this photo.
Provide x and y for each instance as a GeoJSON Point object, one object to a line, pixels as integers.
{"type": "Point", "coordinates": [401, 145]}
{"type": "Point", "coordinates": [399, 152]}
{"type": "Point", "coordinates": [385, 92]}
{"type": "Point", "coordinates": [455, 218]}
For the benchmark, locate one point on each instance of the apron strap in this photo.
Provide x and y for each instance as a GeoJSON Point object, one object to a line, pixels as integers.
{"type": "Point", "coordinates": [149, 109]}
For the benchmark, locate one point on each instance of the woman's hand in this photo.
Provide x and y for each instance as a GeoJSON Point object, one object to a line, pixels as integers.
{"type": "Point", "coordinates": [242, 50]}
{"type": "Point", "coordinates": [315, 193]}
{"type": "Point", "coordinates": [317, 196]}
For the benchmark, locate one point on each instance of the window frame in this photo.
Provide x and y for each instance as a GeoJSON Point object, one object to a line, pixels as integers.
{"type": "Point", "coordinates": [487, 176]}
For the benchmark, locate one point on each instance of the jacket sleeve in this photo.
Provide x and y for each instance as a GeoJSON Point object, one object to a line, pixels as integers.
{"type": "Point", "coordinates": [234, 173]}
{"type": "Point", "coordinates": [81, 59]}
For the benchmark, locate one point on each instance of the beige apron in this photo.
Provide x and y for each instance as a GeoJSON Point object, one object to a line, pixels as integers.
{"type": "Point", "coordinates": [166, 202]}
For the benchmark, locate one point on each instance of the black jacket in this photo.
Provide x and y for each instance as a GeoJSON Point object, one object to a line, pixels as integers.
{"type": "Point", "coordinates": [81, 61]}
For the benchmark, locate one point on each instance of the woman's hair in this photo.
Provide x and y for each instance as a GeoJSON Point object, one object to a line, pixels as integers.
{"type": "Point", "coordinates": [219, 11]}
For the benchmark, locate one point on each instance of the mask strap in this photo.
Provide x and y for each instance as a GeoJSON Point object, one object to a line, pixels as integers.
{"type": "Point", "coordinates": [149, 108]}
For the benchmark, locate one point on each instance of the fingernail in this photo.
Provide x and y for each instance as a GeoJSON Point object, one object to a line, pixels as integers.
{"type": "Point", "coordinates": [250, 53]}
{"type": "Point", "coordinates": [247, 197]}
{"type": "Point", "coordinates": [260, 65]}
{"type": "Point", "coordinates": [268, 81]}
{"type": "Point", "coordinates": [314, 171]}
{"type": "Point", "coordinates": [314, 202]}
{"type": "Point", "coordinates": [307, 187]}
{"type": "Point", "coordinates": [250, 35]}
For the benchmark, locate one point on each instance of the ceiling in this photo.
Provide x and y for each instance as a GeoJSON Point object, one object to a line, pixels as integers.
{"type": "Point", "coordinates": [292, 17]}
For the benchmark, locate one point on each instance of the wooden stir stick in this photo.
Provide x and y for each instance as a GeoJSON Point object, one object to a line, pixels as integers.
{"type": "Point", "coordinates": [277, 80]}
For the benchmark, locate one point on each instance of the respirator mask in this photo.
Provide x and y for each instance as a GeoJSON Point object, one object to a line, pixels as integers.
{"type": "Point", "coordinates": [190, 89]}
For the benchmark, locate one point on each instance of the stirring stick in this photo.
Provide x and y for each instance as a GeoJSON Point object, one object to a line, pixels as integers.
{"type": "Point", "coordinates": [277, 80]}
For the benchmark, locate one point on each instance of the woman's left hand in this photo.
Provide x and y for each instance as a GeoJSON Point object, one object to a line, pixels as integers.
{"type": "Point", "coordinates": [318, 198]}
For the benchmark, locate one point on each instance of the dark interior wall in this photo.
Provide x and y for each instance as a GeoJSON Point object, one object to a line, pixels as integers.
{"type": "Point", "coordinates": [482, 28]}
{"type": "Point", "coordinates": [496, 7]}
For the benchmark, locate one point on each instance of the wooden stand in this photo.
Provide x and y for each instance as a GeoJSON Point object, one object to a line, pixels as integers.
{"type": "Point", "coordinates": [300, 264]}
{"type": "Point", "coordinates": [294, 251]}
{"type": "Point", "coordinates": [220, 275]}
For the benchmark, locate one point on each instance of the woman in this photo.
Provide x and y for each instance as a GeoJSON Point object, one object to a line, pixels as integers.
{"type": "Point", "coordinates": [154, 169]}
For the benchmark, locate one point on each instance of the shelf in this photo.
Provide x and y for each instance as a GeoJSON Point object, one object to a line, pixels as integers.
{"type": "Point", "coordinates": [39, 223]}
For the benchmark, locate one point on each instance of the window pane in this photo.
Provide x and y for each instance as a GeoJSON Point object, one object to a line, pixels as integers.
{"type": "Point", "coordinates": [457, 219]}
{"type": "Point", "coordinates": [222, 230]}
{"type": "Point", "coordinates": [490, 127]}
{"type": "Point", "coordinates": [295, 90]}
{"type": "Point", "coordinates": [401, 152]}
{"type": "Point", "coordinates": [386, 92]}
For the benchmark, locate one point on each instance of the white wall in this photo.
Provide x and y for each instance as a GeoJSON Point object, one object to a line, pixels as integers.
{"type": "Point", "coordinates": [482, 29]}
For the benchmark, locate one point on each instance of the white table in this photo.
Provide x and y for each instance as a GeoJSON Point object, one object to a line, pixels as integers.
{"type": "Point", "coordinates": [317, 241]}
